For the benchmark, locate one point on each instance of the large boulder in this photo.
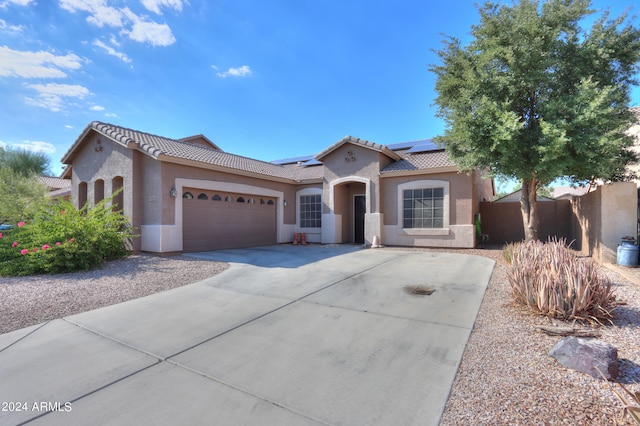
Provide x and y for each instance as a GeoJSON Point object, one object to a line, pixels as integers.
{"type": "Point", "coordinates": [585, 355]}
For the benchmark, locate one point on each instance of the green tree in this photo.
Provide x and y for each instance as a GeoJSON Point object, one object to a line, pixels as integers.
{"type": "Point", "coordinates": [20, 191]}
{"type": "Point", "coordinates": [21, 196]}
{"type": "Point", "coordinates": [535, 96]}
{"type": "Point", "coordinates": [24, 162]}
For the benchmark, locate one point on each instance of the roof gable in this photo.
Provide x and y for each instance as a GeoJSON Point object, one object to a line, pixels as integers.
{"type": "Point", "coordinates": [359, 142]}
{"type": "Point", "coordinates": [200, 140]}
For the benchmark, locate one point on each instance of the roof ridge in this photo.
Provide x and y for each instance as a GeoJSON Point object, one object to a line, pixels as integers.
{"type": "Point", "coordinates": [95, 123]}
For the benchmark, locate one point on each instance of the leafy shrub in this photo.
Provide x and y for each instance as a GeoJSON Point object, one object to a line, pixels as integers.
{"type": "Point", "coordinates": [62, 238]}
{"type": "Point", "coordinates": [551, 279]}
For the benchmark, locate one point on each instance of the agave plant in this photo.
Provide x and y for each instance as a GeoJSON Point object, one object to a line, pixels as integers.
{"type": "Point", "coordinates": [632, 406]}
{"type": "Point", "coordinates": [551, 279]}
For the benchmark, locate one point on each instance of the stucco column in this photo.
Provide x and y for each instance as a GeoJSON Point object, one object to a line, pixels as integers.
{"type": "Point", "coordinates": [372, 227]}
{"type": "Point", "coordinates": [331, 228]}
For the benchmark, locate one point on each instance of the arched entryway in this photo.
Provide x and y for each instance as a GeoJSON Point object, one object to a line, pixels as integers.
{"type": "Point", "coordinates": [350, 205]}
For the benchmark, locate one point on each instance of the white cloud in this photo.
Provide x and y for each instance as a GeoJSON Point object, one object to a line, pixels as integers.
{"type": "Point", "coordinates": [154, 5]}
{"type": "Point", "coordinates": [15, 63]}
{"type": "Point", "coordinates": [51, 96]}
{"type": "Point", "coordinates": [100, 14]}
{"type": "Point", "coordinates": [149, 31]}
{"type": "Point", "coordinates": [113, 52]}
{"type": "Point", "coordinates": [68, 126]}
{"type": "Point", "coordinates": [110, 114]}
{"type": "Point", "coordinates": [242, 71]}
{"type": "Point", "coordinates": [3, 144]}
{"type": "Point", "coordinates": [36, 146]}
{"type": "Point", "coordinates": [6, 28]}
{"type": "Point", "coordinates": [137, 28]}
{"type": "Point", "coordinates": [97, 108]}
{"type": "Point", "coordinates": [4, 4]}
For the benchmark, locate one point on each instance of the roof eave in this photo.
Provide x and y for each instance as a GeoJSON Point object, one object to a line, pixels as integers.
{"type": "Point", "coordinates": [68, 156]}
{"type": "Point", "coordinates": [182, 161]}
{"type": "Point", "coordinates": [430, 171]}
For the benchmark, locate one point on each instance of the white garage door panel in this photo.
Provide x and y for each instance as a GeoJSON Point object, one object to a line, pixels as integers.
{"type": "Point", "coordinates": [214, 225]}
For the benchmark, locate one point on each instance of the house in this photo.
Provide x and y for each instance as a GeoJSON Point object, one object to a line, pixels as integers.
{"type": "Point", "coordinates": [190, 195]}
{"type": "Point", "coordinates": [57, 188]}
{"type": "Point", "coordinates": [514, 197]}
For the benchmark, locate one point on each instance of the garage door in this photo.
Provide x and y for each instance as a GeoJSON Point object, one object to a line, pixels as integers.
{"type": "Point", "coordinates": [222, 220]}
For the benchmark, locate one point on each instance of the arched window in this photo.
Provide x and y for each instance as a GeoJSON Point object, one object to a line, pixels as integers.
{"type": "Point", "coordinates": [82, 194]}
{"type": "Point", "coordinates": [228, 198]}
{"type": "Point", "coordinates": [117, 184]}
{"type": "Point", "coordinates": [202, 196]}
{"type": "Point", "coordinates": [216, 198]}
{"type": "Point", "coordinates": [240, 200]}
{"type": "Point", "coordinates": [98, 191]}
{"type": "Point", "coordinates": [270, 202]}
{"type": "Point", "coordinates": [261, 201]}
{"type": "Point", "coordinates": [251, 201]}
{"type": "Point", "coordinates": [187, 195]}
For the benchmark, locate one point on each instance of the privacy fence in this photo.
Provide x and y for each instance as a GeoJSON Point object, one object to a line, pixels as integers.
{"type": "Point", "coordinates": [596, 222]}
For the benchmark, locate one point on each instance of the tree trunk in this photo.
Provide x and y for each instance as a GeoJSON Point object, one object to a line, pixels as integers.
{"type": "Point", "coordinates": [529, 209]}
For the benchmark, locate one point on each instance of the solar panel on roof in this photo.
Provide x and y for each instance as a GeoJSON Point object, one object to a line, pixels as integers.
{"type": "Point", "coordinates": [312, 162]}
{"type": "Point", "coordinates": [424, 147]}
{"type": "Point", "coordinates": [293, 160]}
{"type": "Point", "coordinates": [402, 145]}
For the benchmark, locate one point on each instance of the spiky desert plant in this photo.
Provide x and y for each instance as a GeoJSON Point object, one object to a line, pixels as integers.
{"type": "Point", "coordinates": [551, 279]}
{"type": "Point", "coordinates": [507, 252]}
{"type": "Point", "coordinates": [631, 406]}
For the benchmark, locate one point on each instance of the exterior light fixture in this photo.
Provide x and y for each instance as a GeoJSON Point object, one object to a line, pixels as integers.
{"type": "Point", "coordinates": [284, 203]}
{"type": "Point", "coordinates": [173, 193]}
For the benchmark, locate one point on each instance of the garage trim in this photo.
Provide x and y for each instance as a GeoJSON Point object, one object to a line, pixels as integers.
{"type": "Point", "coordinates": [181, 183]}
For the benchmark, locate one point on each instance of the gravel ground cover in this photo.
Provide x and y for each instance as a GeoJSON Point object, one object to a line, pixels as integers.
{"type": "Point", "coordinates": [506, 376]}
{"type": "Point", "coordinates": [26, 301]}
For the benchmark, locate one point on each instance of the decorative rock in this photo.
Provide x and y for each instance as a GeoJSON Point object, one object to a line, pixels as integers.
{"type": "Point", "coordinates": [585, 355]}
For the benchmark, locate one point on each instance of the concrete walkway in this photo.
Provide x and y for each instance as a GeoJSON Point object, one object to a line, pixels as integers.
{"type": "Point", "coordinates": [286, 336]}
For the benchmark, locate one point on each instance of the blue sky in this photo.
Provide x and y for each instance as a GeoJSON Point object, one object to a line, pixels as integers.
{"type": "Point", "coordinates": [264, 79]}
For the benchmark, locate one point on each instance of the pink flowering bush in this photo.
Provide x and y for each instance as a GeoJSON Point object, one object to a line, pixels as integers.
{"type": "Point", "coordinates": [61, 238]}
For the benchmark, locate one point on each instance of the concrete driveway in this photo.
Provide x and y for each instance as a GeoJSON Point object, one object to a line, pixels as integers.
{"type": "Point", "coordinates": [288, 335]}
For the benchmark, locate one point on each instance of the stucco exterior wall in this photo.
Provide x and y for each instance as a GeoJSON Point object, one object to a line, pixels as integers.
{"type": "Point", "coordinates": [603, 217]}
{"type": "Point", "coordinates": [353, 160]}
{"type": "Point", "coordinates": [460, 198]}
{"type": "Point", "coordinates": [163, 227]}
{"type": "Point", "coordinates": [170, 172]}
{"type": "Point", "coordinates": [458, 232]}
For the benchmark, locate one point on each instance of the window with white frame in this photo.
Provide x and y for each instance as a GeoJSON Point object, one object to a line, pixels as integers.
{"type": "Point", "coordinates": [423, 208]}
{"type": "Point", "coordinates": [310, 210]}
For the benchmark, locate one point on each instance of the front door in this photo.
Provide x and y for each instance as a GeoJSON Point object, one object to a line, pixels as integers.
{"type": "Point", "coordinates": [359, 209]}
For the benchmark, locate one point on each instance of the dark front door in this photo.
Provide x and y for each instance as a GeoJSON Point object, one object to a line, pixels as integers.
{"type": "Point", "coordinates": [359, 209]}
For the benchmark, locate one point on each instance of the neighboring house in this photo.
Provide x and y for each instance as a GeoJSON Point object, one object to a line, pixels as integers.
{"type": "Point", "coordinates": [557, 193]}
{"type": "Point", "coordinates": [635, 132]}
{"type": "Point", "coordinates": [189, 195]}
{"type": "Point", "coordinates": [568, 192]}
{"type": "Point", "coordinates": [515, 196]}
{"type": "Point", "coordinates": [59, 188]}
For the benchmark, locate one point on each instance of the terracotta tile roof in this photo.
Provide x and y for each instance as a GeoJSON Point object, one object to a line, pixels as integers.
{"type": "Point", "coordinates": [53, 183]}
{"type": "Point", "coordinates": [419, 161]}
{"type": "Point", "coordinates": [159, 146]}
{"type": "Point", "coordinates": [163, 148]}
